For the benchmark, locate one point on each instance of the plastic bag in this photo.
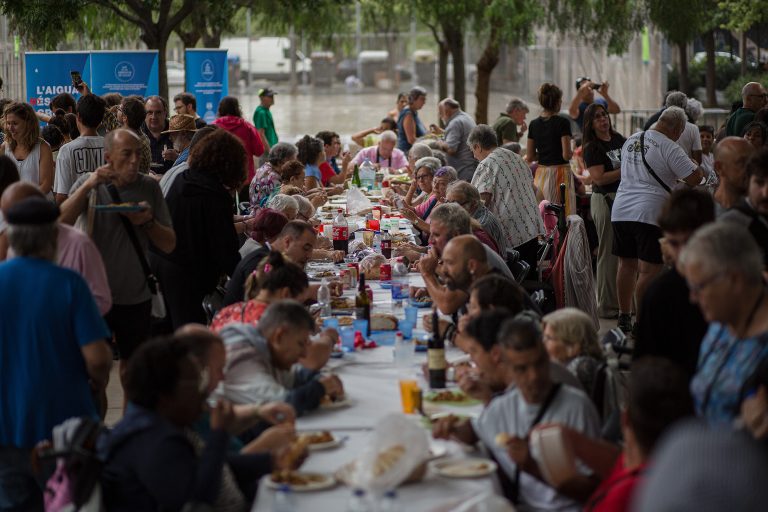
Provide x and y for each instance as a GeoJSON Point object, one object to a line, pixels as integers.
{"type": "Point", "coordinates": [356, 201]}
{"type": "Point", "coordinates": [396, 435]}
{"type": "Point", "coordinates": [371, 264]}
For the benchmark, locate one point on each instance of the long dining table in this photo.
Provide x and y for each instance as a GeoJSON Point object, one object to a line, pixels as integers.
{"type": "Point", "coordinates": [370, 379]}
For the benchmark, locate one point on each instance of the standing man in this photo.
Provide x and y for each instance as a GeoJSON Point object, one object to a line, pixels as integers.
{"type": "Point", "coordinates": [585, 96]}
{"type": "Point", "coordinates": [262, 119]}
{"type": "Point", "coordinates": [186, 103]}
{"type": "Point", "coordinates": [510, 126]}
{"type": "Point", "coordinates": [753, 97]}
{"type": "Point", "coordinates": [131, 310]}
{"type": "Point", "coordinates": [160, 145]}
{"type": "Point", "coordinates": [458, 125]}
{"type": "Point", "coordinates": [53, 357]}
{"type": "Point", "coordinates": [84, 154]}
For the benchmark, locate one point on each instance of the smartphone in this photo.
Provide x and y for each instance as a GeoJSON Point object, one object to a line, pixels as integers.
{"type": "Point", "coordinates": [77, 79]}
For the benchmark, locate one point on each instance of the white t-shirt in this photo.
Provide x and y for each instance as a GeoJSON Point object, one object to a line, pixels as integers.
{"type": "Point", "coordinates": [511, 414]}
{"type": "Point", "coordinates": [690, 139]}
{"type": "Point", "coordinates": [640, 197]}
{"type": "Point", "coordinates": [82, 155]}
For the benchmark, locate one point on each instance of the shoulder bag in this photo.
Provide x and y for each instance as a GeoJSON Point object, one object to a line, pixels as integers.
{"type": "Point", "coordinates": [650, 170]}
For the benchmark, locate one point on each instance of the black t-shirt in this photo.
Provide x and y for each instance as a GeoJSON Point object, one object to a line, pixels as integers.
{"type": "Point", "coordinates": [547, 133]}
{"type": "Point", "coordinates": [670, 325]}
{"type": "Point", "coordinates": [236, 285]}
{"type": "Point", "coordinates": [607, 154]}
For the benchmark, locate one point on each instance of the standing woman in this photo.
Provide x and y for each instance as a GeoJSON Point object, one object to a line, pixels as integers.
{"type": "Point", "coordinates": [549, 143]}
{"type": "Point", "coordinates": [230, 118]}
{"type": "Point", "coordinates": [602, 158]}
{"type": "Point", "coordinates": [24, 146]}
{"type": "Point", "coordinates": [409, 126]}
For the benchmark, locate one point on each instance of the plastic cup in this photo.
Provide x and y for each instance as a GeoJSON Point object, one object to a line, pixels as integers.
{"type": "Point", "coordinates": [408, 390]}
{"type": "Point", "coordinates": [361, 325]}
{"type": "Point", "coordinates": [412, 314]}
{"type": "Point", "coordinates": [348, 337]}
{"type": "Point", "coordinates": [331, 322]}
{"type": "Point", "coordinates": [406, 327]}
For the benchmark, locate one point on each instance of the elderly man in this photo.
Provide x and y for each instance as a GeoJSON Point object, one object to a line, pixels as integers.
{"type": "Point", "coordinates": [731, 157]}
{"type": "Point", "coordinates": [160, 144]}
{"type": "Point", "coordinates": [53, 353]}
{"type": "Point", "coordinates": [585, 96]}
{"type": "Point", "coordinates": [458, 125]}
{"type": "Point", "coordinates": [117, 182]}
{"type": "Point", "coordinates": [466, 195]}
{"type": "Point", "coordinates": [180, 130]}
{"type": "Point", "coordinates": [651, 164]}
{"type": "Point", "coordinates": [261, 361]}
{"type": "Point", "coordinates": [505, 184]}
{"type": "Point", "coordinates": [752, 211]}
{"type": "Point", "coordinates": [753, 97]}
{"type": "Point", "coordinates": [532, 397]}
{"type": "Point", "coordinates": [510, 125]}
{"type": "Point", "coordinates": [186, 103]}
{"type": "Point", "coordinates": [383, 154]}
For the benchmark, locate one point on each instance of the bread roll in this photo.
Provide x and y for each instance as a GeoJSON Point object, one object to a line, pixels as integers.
{"type": "Point", "coordinates": [383, 322]}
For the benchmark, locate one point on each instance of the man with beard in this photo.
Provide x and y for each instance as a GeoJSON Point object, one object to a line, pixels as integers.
{"type": "Point", "coordinates": [464, 261]}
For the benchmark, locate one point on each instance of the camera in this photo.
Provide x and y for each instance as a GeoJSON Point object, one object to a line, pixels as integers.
{"type": "Point", "coordinates": [596, 86]}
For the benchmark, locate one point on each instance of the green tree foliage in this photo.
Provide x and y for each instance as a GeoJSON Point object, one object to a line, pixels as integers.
{"type": "Point", "coordinates": [208, 21]}
{"type": "Point", "coordinates": [742, 15]}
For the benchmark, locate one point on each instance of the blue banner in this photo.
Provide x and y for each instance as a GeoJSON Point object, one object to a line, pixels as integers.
{"type": "Point", "coordinates": [128, 73]}
{"type": "Point", "coordinates": [48, 74]}
{"type": "Point", "coordinates": [207, 78]}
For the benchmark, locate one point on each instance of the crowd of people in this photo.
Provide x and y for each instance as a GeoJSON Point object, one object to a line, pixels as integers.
{"type": "Point", "coordinates": [179, 249]}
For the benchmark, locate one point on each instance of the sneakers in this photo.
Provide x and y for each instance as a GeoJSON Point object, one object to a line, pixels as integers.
{"type": "Point", "coordinates": [625, 323]}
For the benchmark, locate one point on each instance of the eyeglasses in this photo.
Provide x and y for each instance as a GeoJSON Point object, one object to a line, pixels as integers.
{"type": "Point", "coordinates": [696, 289]}
{"type": "Point", "coordinates": [764, 95]}
{"type": "Point", "coordinates": [423, 176]}
{"type": "Point", "coordinates": [459, 203]}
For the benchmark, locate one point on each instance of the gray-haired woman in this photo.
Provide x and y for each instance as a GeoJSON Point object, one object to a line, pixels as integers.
{"type": "Point", "coordinates": [266, 182]}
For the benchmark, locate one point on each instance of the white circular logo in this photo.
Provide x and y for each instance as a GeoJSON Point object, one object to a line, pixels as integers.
{"type": "Point", "coordinates": [124, 71]}
{"type": "Point", "coordinates": [207, 69]}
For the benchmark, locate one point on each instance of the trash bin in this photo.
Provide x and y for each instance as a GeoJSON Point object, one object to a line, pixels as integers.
{"type": "Point", "coordinates": [372, 63]}
{"type": "Point", "coordinates": [424, 66]}
{"type": "Point", "coordinates": [323, 69]}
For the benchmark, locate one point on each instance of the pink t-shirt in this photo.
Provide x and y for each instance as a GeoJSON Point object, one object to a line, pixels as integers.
{"type": "Point", "coordinates": [396, 161]}
{"type": "Point", "coordinates": [76, 251]}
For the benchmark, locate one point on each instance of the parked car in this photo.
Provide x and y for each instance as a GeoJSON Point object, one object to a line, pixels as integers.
{"type": "Point", "coordinates": [175, 73]}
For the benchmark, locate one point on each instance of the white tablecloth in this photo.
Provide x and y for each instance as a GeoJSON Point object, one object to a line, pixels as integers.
{"type": "Point", "coordinates": [371, 384]}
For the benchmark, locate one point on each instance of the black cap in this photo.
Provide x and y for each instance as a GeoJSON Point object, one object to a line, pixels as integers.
{"type": "Point", "coordinates": [266, 92]}
{"type": "Point", "coordinates": [33, 210]}
{"type": "Point", "coordinates": [580, 80]}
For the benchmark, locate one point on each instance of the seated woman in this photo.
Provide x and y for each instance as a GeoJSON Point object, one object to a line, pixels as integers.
{"type": "Point", "coordinates": [149, 462]}
{"type": "Point", "coordinates": [293, 175]}
{"type": "Point", "coordinates": [419, 215]}
{"type": "Point", "coordinates": [267, 180]}
{"type": "Point", "coordinates": [267, 224]}
{"type": "Point", "coordinates": [571, 340]}
{"type": "Point", "coordinates": [284, 204]}
{"type": "Point", "coordinates": [274, 279]}
{"type": "Point", "coordinates": [312, 154]}
{"type": "Point", "coordinates": [331, 172]}
{"type": "Point", "coordinates": [421, 186]}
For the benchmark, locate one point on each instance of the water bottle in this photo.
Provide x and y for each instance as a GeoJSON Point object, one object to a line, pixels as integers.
{"type": "Point", "coordinates": [399, 282]}
{"type": "Point", "coordinates": [358, 502]}
{"type": "Point", "coordinates": [284, 501]}
{"type": "Point", "coordinates": [324, 298]}
{"type": "Point", "coordinates": [389, 502]}
{"type": "Point", "coordinates": [340, 232]}
{"type": "Point", "coordinates": [377, 242]}
{"type": "Point", "coordinates": [367, 174]}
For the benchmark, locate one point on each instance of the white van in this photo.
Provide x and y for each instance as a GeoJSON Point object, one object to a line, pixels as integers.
{"type": "Point", "coordinates": [270, 57]}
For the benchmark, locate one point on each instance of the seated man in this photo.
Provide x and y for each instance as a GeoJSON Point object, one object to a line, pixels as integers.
{"type": "Point", "coordinates": [261, 361]}
{"type": "Point", "coordinates": [384, 154]}
{"type": "Point", "coordinates": [535, 398]}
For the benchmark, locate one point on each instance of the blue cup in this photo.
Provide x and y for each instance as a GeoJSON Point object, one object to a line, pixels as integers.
{"type": "Point", "coordinates": [412, 314]}
{"type": "Point", "coordinates": [406, 327]}
{"type": "Point", "coordinates": [331, 323]}
{"type": "Point", "coordinates": [362, 326]}
{"type": "Point", "coordinates": [348, 337]}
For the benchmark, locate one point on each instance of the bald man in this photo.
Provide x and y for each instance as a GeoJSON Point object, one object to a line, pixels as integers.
{"type": "Point", "coordinates": [753, 97]}
{"type": "Point", "coordinates": [731, 156]}
{"type": "Point", "coordinates": [119, 181]}
{"type": "Point", "coordinates": [74, 249]}
{"type": "Point", "coordinates": [464, 261]}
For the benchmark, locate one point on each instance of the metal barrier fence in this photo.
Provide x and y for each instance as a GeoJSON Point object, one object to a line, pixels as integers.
{"type": "Point", "coordinates": [628, 122]}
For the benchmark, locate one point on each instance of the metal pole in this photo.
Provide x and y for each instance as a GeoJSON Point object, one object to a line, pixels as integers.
{"type": "Point", "coordinates": [358, 41]}
{"type": "Point", "coordinates": [248, 36]}
{"type": "Point", "coordinates": [294, 81]}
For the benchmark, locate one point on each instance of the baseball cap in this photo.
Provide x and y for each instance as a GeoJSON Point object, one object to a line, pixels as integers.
{"type": "Point", "coordinates": [579, 81]}
{"type": "Point", "coordinates": [266, 92]}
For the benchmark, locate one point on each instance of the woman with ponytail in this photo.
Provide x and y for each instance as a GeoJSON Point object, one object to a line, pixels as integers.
{"type": "Point", "coordinates": [275, 278]}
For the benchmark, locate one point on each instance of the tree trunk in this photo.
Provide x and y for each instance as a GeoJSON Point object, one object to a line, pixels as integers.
{"type": "Point", "coordinates": [442, 69]}
{"type": "Point", "coordinates": [709, 46]}
{"type": "Point", "coordinates": [162, 65]}
{"type": "Point", "coordinates": [743, 52]}
{"type": "Point", "coordinates": [189, 39]}
{"type": "Point", "coordinates": [685, 83]}
{"type": "Point", "coordinates": [488, 61]}
{"type": "Point", "coordinates": [454, 37]}
{"type": "Point", "coordinates": [212, 40]}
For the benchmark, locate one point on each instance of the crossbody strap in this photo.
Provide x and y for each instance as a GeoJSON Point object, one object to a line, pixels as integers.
{"type": "Point", "coordinates": [650, 170]}
{"type": "Point", "coordinates": [131, 232]}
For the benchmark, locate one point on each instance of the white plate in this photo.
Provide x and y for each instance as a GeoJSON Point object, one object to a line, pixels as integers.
{"type": "Point", "coordinates": [436, 451]}
{"type": "Point", "coordinates": [337, 405]}
{"type": "Point", "coordinates": [464, 468]}
{"type": "Point", "coordinates": [313, 447]}
{"type": "Point", "coordinates": [324, 482]}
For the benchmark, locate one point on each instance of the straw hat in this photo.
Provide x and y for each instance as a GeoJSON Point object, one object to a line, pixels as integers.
{"type": "Point", "coordinates": [181, 123]}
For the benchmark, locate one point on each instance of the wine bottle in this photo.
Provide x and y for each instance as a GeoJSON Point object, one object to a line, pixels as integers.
{"type": "Point", "coordinates": [363, 303]}
{"type": "Point", "coordinates": [356, 177]}
{"type": "Point", "coordinates": [436, 355]}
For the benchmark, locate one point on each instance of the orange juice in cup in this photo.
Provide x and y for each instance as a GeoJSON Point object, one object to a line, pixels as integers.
{"type": "Point", "coordinates": [409, 390]}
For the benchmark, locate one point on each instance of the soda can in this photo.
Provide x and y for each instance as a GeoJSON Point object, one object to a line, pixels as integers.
{"type": "Point", "coordinates": [344, 276]}
{"type": "Point", "coordinates": [385, 272]}
{"type": "Point", "coordinates": [354, 270]}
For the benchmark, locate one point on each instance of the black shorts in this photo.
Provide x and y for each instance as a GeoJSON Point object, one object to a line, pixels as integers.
{"type": "Point", "coordinates": [130, 325]}
{"type": "Point", "coordinates": [637, 240]}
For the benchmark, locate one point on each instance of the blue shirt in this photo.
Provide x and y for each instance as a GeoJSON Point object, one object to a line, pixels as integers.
{"type": "Point", "coordinates": [583, 107]}
{"type": "Point", "coordinates": [182, 157]}
{"type": "Point", "coordinates": [312, 171]}
{"type": "Point", "coordinates": [48, 314]}
{"type": "Point", "coordinates": [402, 140]}
{"type": "Point", "coordinates": [725, 363]}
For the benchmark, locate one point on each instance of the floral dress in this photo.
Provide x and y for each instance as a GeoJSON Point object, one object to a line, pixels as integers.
{"type": "Point", "coordinates": [265, 184]}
